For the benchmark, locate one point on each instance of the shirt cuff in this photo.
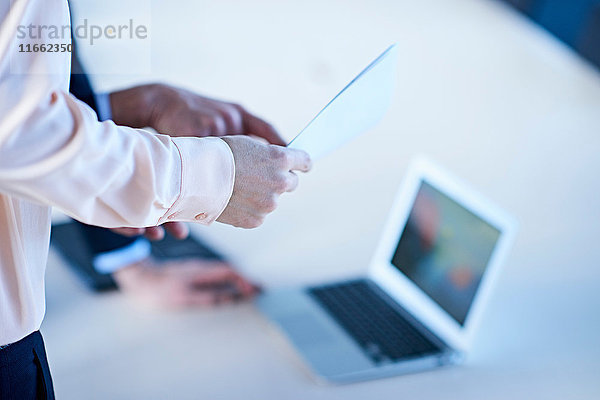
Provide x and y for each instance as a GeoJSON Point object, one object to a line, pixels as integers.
{"type": "Point", "coordinates": [104, 110]}
{"type": "Point", "coordinates": [207, 178]}
{"type": "Point", "coordinates": [114, 260]}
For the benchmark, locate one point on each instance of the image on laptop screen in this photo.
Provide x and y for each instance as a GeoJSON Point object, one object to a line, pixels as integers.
{"type": "Point", "coordinates": [444, 249]}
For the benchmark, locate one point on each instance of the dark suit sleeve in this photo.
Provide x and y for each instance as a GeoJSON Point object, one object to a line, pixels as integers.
{"type": "Point", "coordinates": [80, 83]}
{"type": "Point", "coordinates": [99, 239]}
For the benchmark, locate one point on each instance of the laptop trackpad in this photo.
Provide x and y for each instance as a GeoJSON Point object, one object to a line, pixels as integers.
{"type": "Point", "coordinates": [319, 339]}
{"type": "Point", "coordinates": [307, 330]}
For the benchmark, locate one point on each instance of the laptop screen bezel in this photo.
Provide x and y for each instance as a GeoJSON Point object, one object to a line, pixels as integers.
{"type": "Point", "coordinates": [403, 289]}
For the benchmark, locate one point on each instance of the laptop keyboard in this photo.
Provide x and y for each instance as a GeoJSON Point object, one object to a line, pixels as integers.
{"type": "Point", "coordinates": [379, 329]}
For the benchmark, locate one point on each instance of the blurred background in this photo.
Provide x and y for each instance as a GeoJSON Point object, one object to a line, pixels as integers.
{"type": "Point", "coordinates": [505, 95]}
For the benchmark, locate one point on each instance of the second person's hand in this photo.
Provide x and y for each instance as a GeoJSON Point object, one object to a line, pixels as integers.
{"type": "Point", "coordinates": [179, 230]}
{"type": "Point", "coordinates": [184, 283]}
{"type": "Point", "coordinates": [178, 112]}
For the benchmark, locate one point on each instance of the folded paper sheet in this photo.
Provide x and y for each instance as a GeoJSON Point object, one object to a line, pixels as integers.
{"type": "Point", "coordinates": [356, 109]}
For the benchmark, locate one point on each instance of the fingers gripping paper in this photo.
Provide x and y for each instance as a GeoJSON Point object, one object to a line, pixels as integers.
{"type": "Point", "coordinates": [356, 109]}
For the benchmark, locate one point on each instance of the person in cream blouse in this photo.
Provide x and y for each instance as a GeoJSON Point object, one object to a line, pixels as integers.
{"type": "Point", "coordinates": [55, 153]}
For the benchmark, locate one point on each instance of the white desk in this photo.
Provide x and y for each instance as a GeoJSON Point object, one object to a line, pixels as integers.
{"type": "Point", "coordinates": [481, 90]}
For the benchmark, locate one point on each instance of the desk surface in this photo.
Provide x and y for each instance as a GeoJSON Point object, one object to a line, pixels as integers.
{"type": "Point", "coordinates": [481, 90]}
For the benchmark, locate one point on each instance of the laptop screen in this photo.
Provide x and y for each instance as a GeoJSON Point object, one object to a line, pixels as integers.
{"type": "Point", "coordinates": [444, 249]}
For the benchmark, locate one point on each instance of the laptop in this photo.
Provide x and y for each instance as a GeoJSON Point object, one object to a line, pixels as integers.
{"type": "Point", "coordinates": [419, 304]}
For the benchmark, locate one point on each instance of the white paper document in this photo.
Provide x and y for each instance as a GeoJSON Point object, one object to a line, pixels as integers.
{"type": "Point", "coordinates": [356, 109]}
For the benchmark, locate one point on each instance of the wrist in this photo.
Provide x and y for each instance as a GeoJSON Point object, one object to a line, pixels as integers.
{"type": "Point", "coordinates": [135, 107]}
{"type": "Point", "coordinates": [126, 277]}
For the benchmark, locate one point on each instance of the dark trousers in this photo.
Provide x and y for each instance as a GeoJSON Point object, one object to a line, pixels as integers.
{"type": "Point", "coordinates": [24, 371]}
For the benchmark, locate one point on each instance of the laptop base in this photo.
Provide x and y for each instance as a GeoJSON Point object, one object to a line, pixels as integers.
{"type": "Point", "coordinates": [335, 354]}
